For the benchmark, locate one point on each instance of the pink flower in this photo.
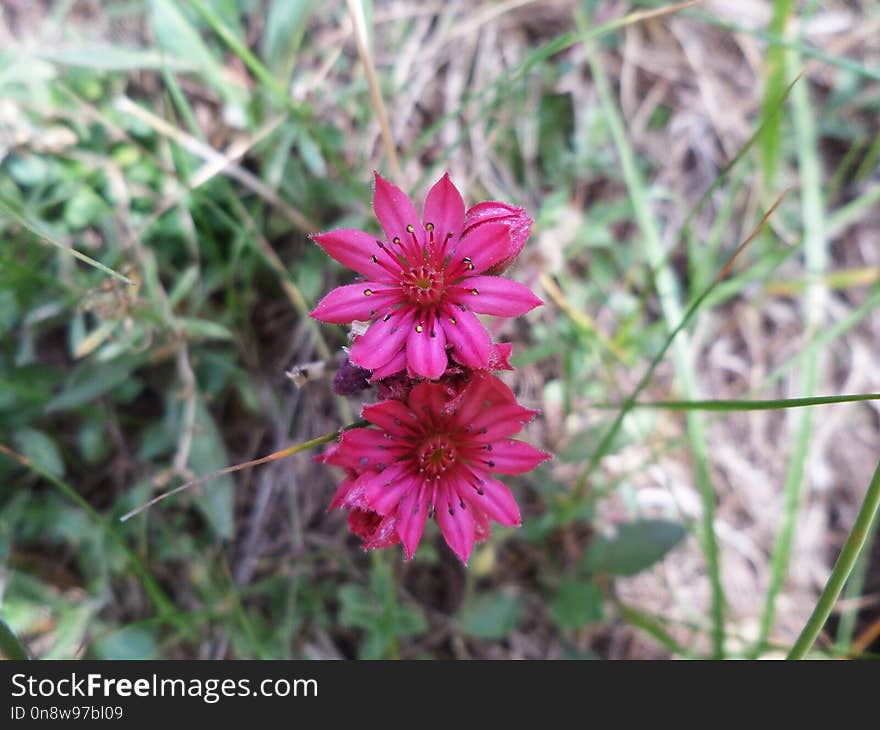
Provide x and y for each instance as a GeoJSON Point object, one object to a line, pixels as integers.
{"type": "Point", "coordinates": [372, 528]}
{"type": "Point", "coordinates": [518, 223]}
{"type": "Point", "coordinates": [434, 456]}
{"type": "Point", "coordinates": [423, 284]}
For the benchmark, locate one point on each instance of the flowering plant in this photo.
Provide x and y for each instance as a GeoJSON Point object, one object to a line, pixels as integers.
{"type": "Point", "coordinates": [443, 426]}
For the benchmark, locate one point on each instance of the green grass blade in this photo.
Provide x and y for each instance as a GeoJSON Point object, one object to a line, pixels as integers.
{"type": "Point", "coordinates": [277, 90]}
{"type": "Point", "coordinates": [747, 405]}
{"type": "Point", "coordinates": [179, 39]}
{"type": "Point", "coordinates": [813, 216]}
{"type": "Point", "coordinates": [237, 46]}
{"type": "Point", "coordinates": [774, 39]}
{"type": "Point", "coordinates": [652, 627]}
{"type": "Point", "coordinates": [853, 591]}
{"type": "Point", "coordinates": [863, 526]}
{"type": "Point", "coordinates": [667, 290]}
{"type": "Point", "coordinates": [9, 209]}
{"type": "Point", "coordinates": [774, 80]}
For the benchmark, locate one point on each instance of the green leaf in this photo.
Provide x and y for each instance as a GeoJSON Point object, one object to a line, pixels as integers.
{"type": "Point", "coordinates": [40, 449]}
{"type": "Point", "coordinates": [577, 603]}
{"type": "Point", "coordinates": [636, 547]}
{"type": "Point", "coordinates": [355, 608]}
{"type": "Point", "coordinates": [491, 616]}
{"type": "Point", "coordinates": [28, 170]}
{"type": "Point", "coordinates": [204, 329]}
{"type": "Point", "coordinates": [90, 381]}
{"type": "Point", "coordinates": [378, 613]}
{"type": "Point", "coordinates": [106, 57]}
{"type": "Point", "coordinates": [178, 37]}
{"type": "Point", "coordinates": [286, 22]}
{"type": "Point", "coordinates": [183, 286]}
{"type": "Point", "coordinates": [208, 454]}
{"type": "Point", "coordinates": [311, 153]}
{"type": "Point", "coordinates": [8, 310]}
{"type": "Point", "coordinates": [83, 209]}
{"type": "Point", "coordinates": [92, 441]}
{"type": "Point", "coordinates": [131, 642]}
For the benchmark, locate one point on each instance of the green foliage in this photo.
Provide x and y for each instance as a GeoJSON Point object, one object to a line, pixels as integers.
{"type": "Point", "coordinates": [577, 603]}
{"type": "Point", "coordinates": [491, 615]}
{"type": "Point", "coordinates": [635, 547]}
{"type": "Point", "coordinates": [378, 612]}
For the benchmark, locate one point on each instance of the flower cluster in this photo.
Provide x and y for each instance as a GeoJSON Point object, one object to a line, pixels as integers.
{"type": "Point", "coordinates": [443, 426]}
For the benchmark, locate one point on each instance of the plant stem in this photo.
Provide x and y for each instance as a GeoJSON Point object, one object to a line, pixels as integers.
{"type": "Point", "coordinates": [289, 451]}
{"type": "Point", "coordinates": [842, 568]}
{"type": "Point", "coordinates": [356, 9]}
{"type": "Point", "coordinates": [814, 298]}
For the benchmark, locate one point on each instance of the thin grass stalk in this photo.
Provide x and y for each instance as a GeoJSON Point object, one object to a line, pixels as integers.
{"type": "Point", "coordinates": [813, 216]}
{"type": "Point", "coordinates": [862, 527]}
{"type": "Point", "coordinates": [667, 291]}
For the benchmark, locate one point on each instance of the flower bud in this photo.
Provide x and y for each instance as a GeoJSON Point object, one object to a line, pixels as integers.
{"type": "Point", "coordinates": [516, 220]}
{"type": "Point", "coordinates": [350, 379]}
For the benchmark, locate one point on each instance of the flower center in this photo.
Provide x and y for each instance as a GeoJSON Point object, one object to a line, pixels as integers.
{"type": "Point", "coordinates": [436, 455]}
{"type": "Point", "coordinates": [423, 285]}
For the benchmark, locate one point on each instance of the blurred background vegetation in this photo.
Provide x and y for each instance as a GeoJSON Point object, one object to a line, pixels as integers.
{"type": "Point", "coordinates": [192, 146]}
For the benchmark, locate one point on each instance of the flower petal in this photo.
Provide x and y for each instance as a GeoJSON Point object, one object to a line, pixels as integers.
{"type": "Point", "coordinates": [484, 392]}
{"type": "Point", "coordinates": [384, 534]}
{"type": "Point", "coordinates": [515, 218]}
{"type": "Point", "coordinates": [482, 525]}
{"type": "Point", "coordinates": [412, 514]}
{"type": "Point", "coordinates": [382, 341]}
{"type": "Point", "coordinates": [483, 246]}
{"type": "Point", "coordinates": [352, 302]}
{"type": "Point", "coordinates": [492, 497]}
{"type": "Point", "coordinates": [392, 416]}
{"type": "Point", "coordinates": [506, 456]}
{"type": "Point", "coordinates": [444, 210]}
{"type": "Point", "coordinates": [362, 448]}
{"type": "Point", "coordinates": [456, 522]}
{"type": "Point", "coordinates": [469, 339]}
{"type": "Point", "coordinates": [383, 494]}
{"type": "Point", "coordinates": [494, 295]}
{"type": "Point", "coordinates": [426, 349]}
{"type": "Point", "coordinates": [499, 356]}
{"type": "Point", "coordinates": [395, 365]}
{"type": "Point", "coordinates": [358, 251]}
{"type": "Point", "coordinates": [343, 492]}
{"type": "Point", "coordinates": [396, 214]}
{"type": "Point", "coordinates": [498, 422]}
{"type": "Point", "coordinates": [427, 400]}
